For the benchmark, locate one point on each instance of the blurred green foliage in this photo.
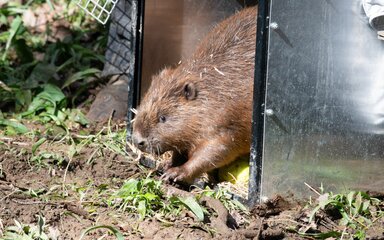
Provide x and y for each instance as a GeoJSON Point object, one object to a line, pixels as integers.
{"type": "Point", "coordinates": [51, 53]}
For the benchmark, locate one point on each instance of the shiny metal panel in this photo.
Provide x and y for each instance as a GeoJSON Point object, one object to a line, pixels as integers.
{"type": "Point", "coordinates": [324, 112]}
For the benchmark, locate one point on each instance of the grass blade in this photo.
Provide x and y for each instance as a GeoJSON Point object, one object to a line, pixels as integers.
{"type": "Point", "coordinates": [192, 205]}
{"type": "Point", "coordinates": [50, 5]}
{"type": "Point", "coordinates": [80, 75]}
{"type": "Point", "coordinates": [115, 232]}
{"type": "Point", "coordinates": [15, 25]}
{"type": "Point", "coordinates": [37, 144]}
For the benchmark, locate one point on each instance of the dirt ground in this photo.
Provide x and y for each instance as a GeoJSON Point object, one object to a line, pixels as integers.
{"type": "Point", "coordinates": [66, 199]}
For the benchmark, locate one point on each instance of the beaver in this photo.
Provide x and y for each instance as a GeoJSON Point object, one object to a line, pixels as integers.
{"type": "Point", "coordinates": [201, 109]}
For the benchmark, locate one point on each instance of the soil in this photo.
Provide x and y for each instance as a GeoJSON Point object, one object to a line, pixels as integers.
{"type": "Point", "coordinates": [62, 194]}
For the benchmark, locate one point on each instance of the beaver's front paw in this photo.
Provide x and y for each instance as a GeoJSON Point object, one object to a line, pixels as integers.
{"type": "Point", "coordinates": [177, 174]}
{"type": "Point", "coordinates": [164, 166]}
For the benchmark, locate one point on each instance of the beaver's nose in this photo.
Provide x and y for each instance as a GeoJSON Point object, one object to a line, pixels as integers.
{"type": "Point", "coordinates": [140, 142]}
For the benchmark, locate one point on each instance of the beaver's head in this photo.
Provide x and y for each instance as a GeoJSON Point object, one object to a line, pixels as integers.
{"type": "Point", "coordinates": [168, 116]}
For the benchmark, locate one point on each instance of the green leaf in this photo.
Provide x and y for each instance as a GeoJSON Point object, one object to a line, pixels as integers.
{"type": "Point", "coordinates": [116, 232]}
{"type": "Point", "coordinates": [50, 5]}
{"type": "Point", "coordinates": [313, 213]}
{"type": "Point", "coordinates": [72, 151]}
{"type": "Point", "coordinates": [51, 96]}
{"type": "Point", "coordinates": [41, 223]}
{"type": "Point", "coordinates": [321, 188]}
{"type": "Point", "coordinates": [194, 206]}
{"type": "Point", "coordinates": [150, 196]}
{"type": "Point", "coordinates": [358, 204]}
{"type": "Point", "coordinates": [77, 116]}
{"type": "Point", "coordinates": [36, 105]}
{"type": "Point", "coordinates": [52, 93]}
{"type": "Point", "coordinates": [80, 75]}
{"type": "Point", "coordinates": [113, 147]}
{"type": "Point", "coordinates": [22, 99]}
{"type": "Point", "coordinates": [130, 186]}
{"type": "Point", "coordinates": [350, 197]}
{"type": "Point", "coordinates": [142, 209]}
{"type": "Point", "coordinates": [346, 219]}
{"type": "Point", "coordinates": [324, 200]}
{"type": "Point", "coordinates": [18, 224]}
{"type": "Point", "coordinates": [19, 128]}
{"type": "Point", "coordinates": [15, 25]}
{"type": "Point", "coordinates": [365, 206]}
{"type": "Point", "coordinates": [239, 205]}
{"type": "Point", "coordinates": [331, 234]}
{"type": "Point", "coordinates": [343, 222]}
{"type": "Point", "coordinates": [38, 144]}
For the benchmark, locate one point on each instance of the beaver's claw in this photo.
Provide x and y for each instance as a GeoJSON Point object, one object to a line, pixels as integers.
{"type": "Point", "coordinates": [176, 174]}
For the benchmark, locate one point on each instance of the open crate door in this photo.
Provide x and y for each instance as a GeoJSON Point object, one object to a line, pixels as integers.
{"type": "Point", "coordinates": [324, 100]}
{"type": "Point", "coordinates": [162, 33]}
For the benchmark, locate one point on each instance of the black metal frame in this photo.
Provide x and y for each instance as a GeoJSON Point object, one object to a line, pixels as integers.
{"type": "Point", "coordinates": [259, 90]}
{"type": "Point", "coordinates": [259, 87]}
{"type": "Point", "coordinates": [135, 68]}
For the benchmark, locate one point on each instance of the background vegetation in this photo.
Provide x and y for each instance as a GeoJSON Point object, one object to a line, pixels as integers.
{"type": "Point", "coordinates": [51, 54]}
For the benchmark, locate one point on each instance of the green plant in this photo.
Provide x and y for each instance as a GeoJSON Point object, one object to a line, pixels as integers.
{"type": "Point", "coordinates": [356, 210]}
{"type": "Point", "coordinates": [31, 60]}
{"type": "Point", "coordinates": [113, 230]}
{"type": "Point", "coordinates": [49, 102]}
{"type": "Point", "coordinates": [146, 198]}
{"type": "Point", "coordinates": [41, 159]}
{"type": "Point", "coordinates": [13, 126]}
{"type": "Point", "coordinates": [142, 196]}
{"type": "Point", "coordinates": [225, 198]}
{"type": "Point", "coordinates": [26, 232]}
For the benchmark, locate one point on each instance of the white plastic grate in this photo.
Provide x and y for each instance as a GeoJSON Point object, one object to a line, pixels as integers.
{"type": "Point", "coordinates": [99, 9]}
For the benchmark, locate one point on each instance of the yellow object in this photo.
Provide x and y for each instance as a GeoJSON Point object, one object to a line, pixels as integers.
{"type": "Point", "coordinates": [235, 172]}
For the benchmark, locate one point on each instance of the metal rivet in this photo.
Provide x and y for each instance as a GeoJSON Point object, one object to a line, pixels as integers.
{"type": "Point", "coordinates": [269, 112]}
{"type": "Point", "coordinates": [274, 25]}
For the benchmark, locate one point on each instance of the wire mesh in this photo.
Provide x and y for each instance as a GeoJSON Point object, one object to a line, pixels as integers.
{"type": "Point", "coordinates": [119, 52]}
{"type": "Point", "coordinates": [98, 9]}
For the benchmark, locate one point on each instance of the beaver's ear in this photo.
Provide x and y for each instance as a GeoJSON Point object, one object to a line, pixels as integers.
{"type": "Point", "coordinates": [190, 91]}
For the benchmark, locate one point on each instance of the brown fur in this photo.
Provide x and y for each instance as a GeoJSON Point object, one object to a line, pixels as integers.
{"type": "Point", "coordinates": [206, 102]}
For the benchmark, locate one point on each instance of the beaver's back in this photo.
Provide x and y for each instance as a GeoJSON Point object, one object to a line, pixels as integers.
{"type": "Point", "coordinates": [223, 65]}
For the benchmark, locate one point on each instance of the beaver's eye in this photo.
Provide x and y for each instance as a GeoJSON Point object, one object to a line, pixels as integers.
{"type": "Point", "coordinates": [162, 119]}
